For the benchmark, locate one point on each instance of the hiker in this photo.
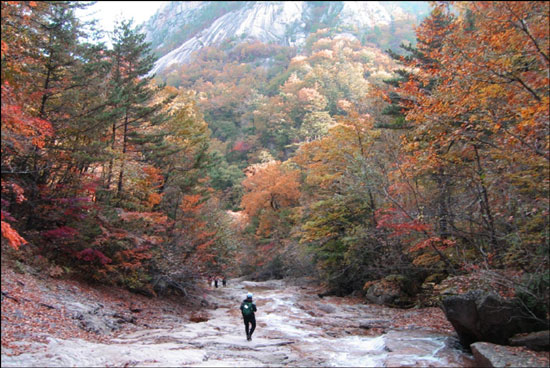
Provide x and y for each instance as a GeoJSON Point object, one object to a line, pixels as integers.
{"type": "Point", "coordinates": [216, 282]}
{"type": "Point", "coordinates": [248, 308]}
{"type": "Point", "coordinates": [224, 282]}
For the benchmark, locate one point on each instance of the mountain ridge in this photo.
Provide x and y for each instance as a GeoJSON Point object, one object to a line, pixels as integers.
{"type": "Point", "coordinates": [193, 25]}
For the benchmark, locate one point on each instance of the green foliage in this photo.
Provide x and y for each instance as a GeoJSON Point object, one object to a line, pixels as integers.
{"type": "Point", "coordinates": [275, 269]}
{"type": "Point", "coordinates": [97, 193]}
{"type": "Point", "coordinates": [224, 176]}
{"type": "Point", "coordinates": [252, 226]}
{"type": "Point", "coordinates": [223, 129]}
{"type": "Point", "coordinates": [227, 179]}
{"type": "Point", "coordinates": [534, 293]}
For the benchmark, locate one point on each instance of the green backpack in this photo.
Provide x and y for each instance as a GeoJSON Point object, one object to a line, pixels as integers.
{"type": "Point", "coordinates": [247, 309]}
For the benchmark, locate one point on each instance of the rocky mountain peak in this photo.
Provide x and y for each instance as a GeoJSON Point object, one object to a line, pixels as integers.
{"type": "Point", "coordinates": [181, 28]}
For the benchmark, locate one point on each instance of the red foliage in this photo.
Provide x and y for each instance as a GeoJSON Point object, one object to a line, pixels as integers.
{"type": "Point", "coordinates": [90, 255]}
{"type": "Point", "coordinates": [62, 232]}
{"type": "Point", "coordinates": [400, 224]}
{"type": "Point", "coordinates": [15, 240]}
{"type": "Point", "coordinates": [241, 146]}
{"type": "Point", "coordinates": [18, 126]}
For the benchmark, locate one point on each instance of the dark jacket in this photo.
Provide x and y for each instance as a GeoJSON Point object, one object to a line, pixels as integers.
{"type": "Point", "coordinates": [244, 305]}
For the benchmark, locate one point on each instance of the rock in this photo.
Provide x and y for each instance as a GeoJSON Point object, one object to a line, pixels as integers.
{"type": "Point", "coordinates": [327, 308]}
{"type": "Point", "coordinates": [374, 323]}
{"type": "Point", "coordinates": [121, 318]}
{"type": "Point", "coordinates": [95, 318]}
{"type": "Point", "coordinates": [485, 316]}
{"type": "Point", "coordinates": [435, 278]}
{"type": "Point", "coordinates": [492, 355]}
{"type": "Point", "coordinates": [98, 324]}
{"type": "Point", "coordinates": [392, 291]}
{"type": "Point", "coordinates": [427, 298]}
{"type": "Point", "coordinates": [538, 341]}
{"type": "Point", "coordinates": [198, 317]}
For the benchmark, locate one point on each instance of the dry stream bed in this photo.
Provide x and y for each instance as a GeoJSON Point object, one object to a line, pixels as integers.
{"type": "Point", "coordinates": [295, 327]}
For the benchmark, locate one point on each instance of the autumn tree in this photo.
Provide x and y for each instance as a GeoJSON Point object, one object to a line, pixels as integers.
{"type": "Point", "coordinates": [340, 200]}
{"type": "Point", "coordinates": [476, 105]}
{"type": "Point", "coordinates": [478, 78]}
{"type": "Point", "coordinates": [423, 166]}
{"type": "Point", "coordinates": [43, 65]}
{"type": "Point", "coordinates": [270, 188]}
{"type": "Point", "coordinates": [500, 94]}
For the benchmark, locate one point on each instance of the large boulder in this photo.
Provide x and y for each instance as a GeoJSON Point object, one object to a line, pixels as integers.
{"type": "Point", "coordinates": [94, 317]}
{"type": "Point", "coordinates": [491, 355]}
{"type": "Point", "coordinates": [485, 316]}
{"type": "Point", "coordinates": [393, 291]}
{"type": "Point", "coordinates": [538, 341]}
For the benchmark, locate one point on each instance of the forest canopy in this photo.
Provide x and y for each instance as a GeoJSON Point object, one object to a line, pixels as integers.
{"type": "Point", "coordinates": [336, 159]}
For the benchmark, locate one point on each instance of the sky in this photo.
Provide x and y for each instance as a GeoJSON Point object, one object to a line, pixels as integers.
{"type": "Point", "coordinates": [107, 12]}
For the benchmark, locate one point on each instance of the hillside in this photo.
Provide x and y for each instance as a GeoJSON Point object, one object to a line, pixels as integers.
{"type": "Point", "coordinates": [179, 29]}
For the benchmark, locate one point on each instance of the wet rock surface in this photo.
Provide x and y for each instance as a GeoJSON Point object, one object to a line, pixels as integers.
{"type": "Point", "coordinates": [294, 328]}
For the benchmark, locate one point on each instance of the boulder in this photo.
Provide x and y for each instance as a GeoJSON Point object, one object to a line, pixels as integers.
{"type": "Point", "coordinates": [327, 308]}
{"type": "Point", "coordinates": [538, 341]}
{"type": "Point", "coordinates": [492, 355]}
{"type": "Point", "coordinates": [93, 317]}
{"type": "Point", "coordinates": [393, 291]}
{"type": "Point", "coordinates": [198, 317]}
{"type": "Point", "coordinates": [367, 324]}
{"type": "Point", "coordinates": [99, 324]}
{"type": "Point", "coordinates": [485, 316]}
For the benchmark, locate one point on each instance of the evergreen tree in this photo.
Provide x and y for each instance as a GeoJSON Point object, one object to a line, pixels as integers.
{"type": "Point", "coordinates": [130, 96]}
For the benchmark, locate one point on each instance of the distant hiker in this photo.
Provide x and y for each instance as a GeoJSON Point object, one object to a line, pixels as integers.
{"type": "Point", "coordinates": [224, 282]}
{"type": "Point", "coordinates": [216, 282]}
{"type": "Point", "coordinates": [248, 308]}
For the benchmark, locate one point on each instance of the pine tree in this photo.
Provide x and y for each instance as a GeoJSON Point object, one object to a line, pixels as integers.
{"type": "Point", "coordinates": [130, 95]}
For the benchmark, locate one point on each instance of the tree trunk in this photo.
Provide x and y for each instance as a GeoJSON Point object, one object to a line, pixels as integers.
{"type": "Point", "coordinates": [486, 214]}
{"type": "Point", "coordinates": [124, 148]}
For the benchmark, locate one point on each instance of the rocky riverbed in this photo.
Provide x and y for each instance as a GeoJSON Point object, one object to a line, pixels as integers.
{"type": "Point", "coordinates": [295, 327]}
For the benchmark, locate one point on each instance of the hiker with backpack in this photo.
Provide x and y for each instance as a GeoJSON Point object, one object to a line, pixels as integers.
{"type": "Point", "coordinates": [248, 308]}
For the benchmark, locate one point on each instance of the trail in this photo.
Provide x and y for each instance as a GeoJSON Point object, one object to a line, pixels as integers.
{"type": "Point", "coordinates": [294, 328]}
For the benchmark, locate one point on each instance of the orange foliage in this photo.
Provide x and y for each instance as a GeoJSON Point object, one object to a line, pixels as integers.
{"type": "Point", "coordinates": [437, 242]}
{"type": "Point", "coordinates": [14, 239]}
{"type": "Point", "coordinates": [269, 186]}
{"type": "Point", "coordinates": [191, 203]}
{"type": "Point", "coordinates": [20, 129]}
